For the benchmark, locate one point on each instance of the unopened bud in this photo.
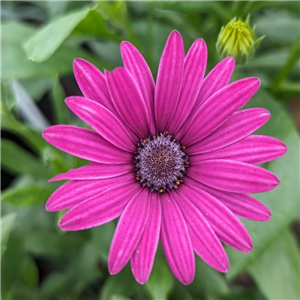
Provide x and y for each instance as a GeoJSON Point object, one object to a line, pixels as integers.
{"type": "Point", "coordinates": [237, 39]}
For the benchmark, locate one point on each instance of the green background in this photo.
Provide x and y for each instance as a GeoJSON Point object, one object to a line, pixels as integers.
{"type": "Point", "coordinates": [39, 42]}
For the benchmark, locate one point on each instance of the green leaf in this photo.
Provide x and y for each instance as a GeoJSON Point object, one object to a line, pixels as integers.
{"type": "Point", "coordinates": [47, 40]}
{"type": "Point", "coordinates": [283, 201]}
{"type": "Point", "coordinates": [17, 66]}
{"type": "Point", "coordinates": [276, 272]}
{"type": "Point", "coordinates": [28, 195]}
{"type": "Point", "coordinates": [161, 280]}
{"type": "Point", "coordinates": [19, 161]}
{"type": "Point", "coordinates": [7, 223]}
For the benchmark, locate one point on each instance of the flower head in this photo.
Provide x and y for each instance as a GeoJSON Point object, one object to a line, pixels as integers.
{"type": "Point", "coordinates": [173, 159]}
{"type": "Point", "coordinates": [237, 39]}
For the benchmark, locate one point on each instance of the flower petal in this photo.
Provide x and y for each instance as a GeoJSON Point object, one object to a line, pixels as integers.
{"type": "Point", "coordinates": [205, 242]}
{"type": "Point", "coordinates": [143, 257]}
{"type": "Point", "coordinates": [102, 121]}
{"type": "Point", "coordinates": [138, 67]}
{"type": "Point", "coordinates": [242, 205]}
{"type": "Point", "coordinates": [94, 171]}
{"type": "Point", "coordinates": [218, 108]}
{"type": "Point", "coordinates": [225, 224]}
{"type": "Point", "coordinates": [129, 231]}
{"type": "Point", "coordinates": [232, 176]}
{"type": "Point", "coordinates": [176, 241]}
{"type": "Point", "coordinates": [99, 209]}
{"type": "Point", "coordinates": [194, 70]}
{"type": "Point", "coordinates": [238, 126]}
{"type": "Point", "coordinates": [254, 149]}
{"type": "Point", "coordinates": [86, 144]}
{"type": "Point", "coordinates": [74, 192]}
{"type": "Point", "coordinates": [128, 100]}
{"type": "Point", "coordinates": [92, 83]}
{"type": "Point", "coordinates": [168, 81]}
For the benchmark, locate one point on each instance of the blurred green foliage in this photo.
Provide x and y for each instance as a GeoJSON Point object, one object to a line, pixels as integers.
{"type": "Point", "coordinates": [40, 39]}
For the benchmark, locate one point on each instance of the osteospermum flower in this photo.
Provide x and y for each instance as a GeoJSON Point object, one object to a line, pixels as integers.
{"type": "Point", "coordinates": [174, 160]}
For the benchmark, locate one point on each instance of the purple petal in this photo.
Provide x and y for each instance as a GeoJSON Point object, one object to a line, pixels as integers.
{"type": "Point", "coordinates": [94, 171]}
{"type": "Point", "coordinates": [225, 224]}
{"type": "Point", "coordinates": [129, 231]}
{"type": "Point", "coordinates": [205, 242]}
{"type": "Point", "coordinates": [86, 144]}
{"type": "Point", "coordinates": [99, 209]}
{"type": "Point", "coordinates": [128, 101]}
{"type": "Point", "coordinates": [194, 70]}
{"type": "Point", "coordinates": [232, 176]}
{"type": "Point", "coordinates": [242, 205]}
{"type": "Point", "coordinates": [143, 257]}
{"type": "Point", "coordinates": [102, 121]}
{"type": "Point", "coordinates": [176, 241]}
{"type": "Point", "coordinates": [74, 192]}
{"type": "Point", "coordinates": [218, 108]}
{"type": "Point", "coordinates": [92, 83]}
{"type": "Point", "coordinates": [168, 80]}
{"type": "Point", "coordinates": [138, 67]}
{"type": "Point", "coordinates": [238, 126]}
{"type": "Point", "coordinates": [255, 149]}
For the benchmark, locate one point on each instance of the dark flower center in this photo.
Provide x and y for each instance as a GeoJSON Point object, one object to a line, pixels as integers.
{"type": "Point", "coordinates": [160, 162]}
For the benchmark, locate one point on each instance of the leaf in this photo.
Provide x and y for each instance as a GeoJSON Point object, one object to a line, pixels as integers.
{"type": "Point", "coordinates": [19, 161]}
{"type": "Point", "coordinates": [28, 195]}
{"type": "Point", "coordinates": [283, 201]}
{"type": "Point", "coordinates": [276, 272]}
{"type": "Point", "coordinates": [47, 40]}
{"type": "Point", "coordinates": [7, 223]}
{"type": "Point", "coordinates": [17, 66]}
{"type": "Point", "coordinates": [161, 280]}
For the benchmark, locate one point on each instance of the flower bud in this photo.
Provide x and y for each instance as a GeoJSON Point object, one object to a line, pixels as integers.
{"type": "Point", "coordinates": [237, 39]}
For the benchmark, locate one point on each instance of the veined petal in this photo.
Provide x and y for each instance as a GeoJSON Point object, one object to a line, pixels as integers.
{"type": "Point", "coordinates": [102, 121]}
{"type": "Point", "coordinates": [74, 192]}
{"type": "Point", "coordinates": [169, 79]}
{"type": "Point", "coordinates": [218, 108]}
{"type": "Point", "coordinates": [225, 224]}
{"type": "Point", "coordinates": [99, 209]}
{"type": "Point", "coordinates": [176, 241]}
{"type": "Point", "coordinates": [86, 144]}
{"type": "Point", "coordinates": [92, 83]}
{"type": "Point", "coordinates": [138, 67]}
{"type": "Point", "coordinates": [254, 149]}
{"type": "Point", "coordinates": [128, 100]}
{"type": "Point", "coordinates": [194, 70]}
{"type": "Point", "coordinates": [143, 257]}
{"type": "Point", "coordinates": [94, 171]}
{"type": "Point", "coordinates": [242, 205]}
{"type": "Point", "coordinates": [238, 126]}
{"type": "Point", "coordinates": [205, 242]}
{"type": "Point", "coordinates": [232, 176]}
{"type": "Point", "coordinates": [129, 231]}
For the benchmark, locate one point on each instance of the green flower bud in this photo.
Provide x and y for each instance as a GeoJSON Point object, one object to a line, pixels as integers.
{"type": "Point", "coordinates": [237, 39]}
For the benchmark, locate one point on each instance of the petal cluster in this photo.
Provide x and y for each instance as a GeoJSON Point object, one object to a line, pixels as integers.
{"type": "Point", "coordinates": [124, 107]}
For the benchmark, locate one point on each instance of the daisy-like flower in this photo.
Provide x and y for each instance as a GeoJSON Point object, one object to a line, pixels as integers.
{"type": "Point", "coordinates": [174, 160]}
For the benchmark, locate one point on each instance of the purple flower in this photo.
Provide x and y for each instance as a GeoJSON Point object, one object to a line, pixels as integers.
{"type": "Point", "coordinates": [174, 160]}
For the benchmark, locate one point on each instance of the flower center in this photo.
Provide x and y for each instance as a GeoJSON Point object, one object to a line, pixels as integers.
{"type": "Point", "coordinates": [160, 162]}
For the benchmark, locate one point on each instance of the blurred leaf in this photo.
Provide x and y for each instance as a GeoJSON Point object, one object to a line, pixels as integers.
{"type": "Point", "coordinates": [161, 280]}
{"type": "Point", "coordinates": [101, 239]}
{"type": "Point", "coordinates": [7, 223]}
{"type": "Point", "coordinates": [52, 285]}
{"type": "Point", "coordinates": [58, 96]}
{"type": "Point", "coordinates": [47, 40]}
{"type": "Point", "coordinates": [284, 200]}
{"type": "Point", "coordinates": [37, 87]}
{"type": "Point", "coordinates": [253, 6]}
{"type": "Point", "coordinates": [17, 66]}
{"type": "Point", "coordinates": [19, 161]}
{"type": "Point", "coordinates": [27, 195]}
{"type": "Point", "coordinates": [276, 272]}
{"type": "Point", "coordinates": [207, 281]}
